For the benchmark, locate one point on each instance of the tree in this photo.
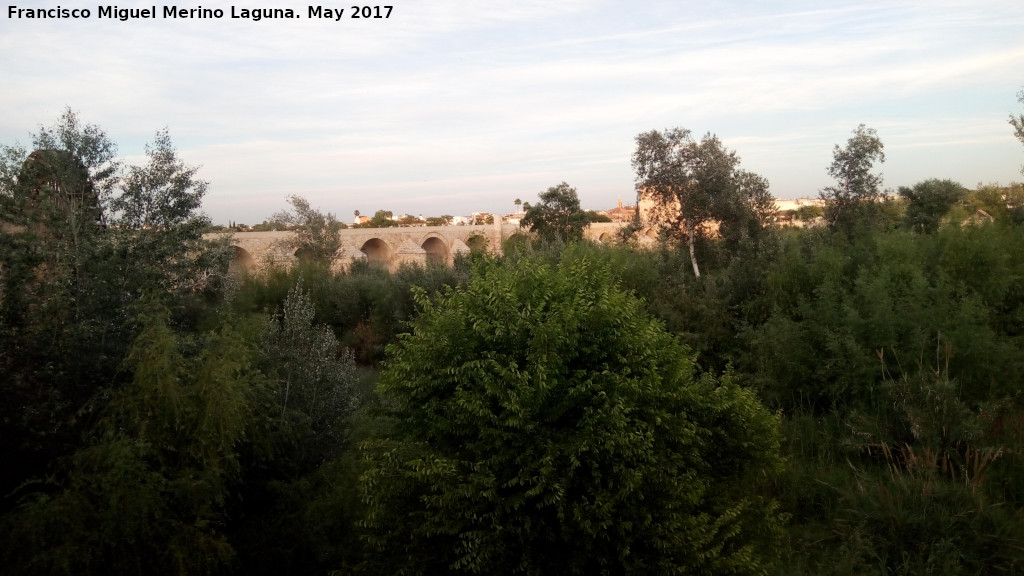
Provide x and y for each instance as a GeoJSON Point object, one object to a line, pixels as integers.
{"type": "Point", "coordinates": [692, 184]}
{"type": "Point", "coordinates": [857, 189]}
{"type": "Point", "coordinates": [558, 216]}
{"type": "Point", "coordinates": [1000, 203]}
{"type": "Point", "coordinates": [147, 490]}
{"type": "Point", "coordinates": [159, 227]}
{"type": "Point", "coordinates": [314, 378]}
{"type": "Point", "coordinates": [71, 286]}
{"type": "Point", "coordinates": [545, 424]}
{"type": "Point", "coordinates": [68, 148]}
{"type": "Point", "coordinates": [518, 204]}
{"type": "Point", "coordinates": [754, 190]}
{"type": "Point", "coordinates": [445, 220]}
{"type": "Point", "coordinates": [59, 336]}
{"type": "Point", "coordinates": [51, 201]}
{"type": "Point", "coordinates": [1018, 123]}
{"type": "Point", "coordinates": [751, 213]}
{"type": "Point", "coordinates": [316, 233]}
{"type": "Point", "coordinates": [928, 201]}
{"type": "Point", "coordinates": [380, 219]}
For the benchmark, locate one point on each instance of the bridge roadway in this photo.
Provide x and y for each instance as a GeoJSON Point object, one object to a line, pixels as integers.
{"type": "Point", "coordinates": [390, 247]}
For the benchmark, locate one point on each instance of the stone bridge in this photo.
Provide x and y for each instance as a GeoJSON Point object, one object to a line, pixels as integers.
{"type": "Point", "coordinates": [389, 247]}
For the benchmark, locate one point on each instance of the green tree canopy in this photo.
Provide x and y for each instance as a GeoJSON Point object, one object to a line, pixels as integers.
{"type": "Point", "coordinates": [69, 286]}
{"type": "Point", "coordinates": [691, 184]}
{"type": "Point", "coordinates": [445, 220]}
{"type": "Point", "coordinates": [1017, 122]}
{"type": "Point", "coordinates": [857, 189]}
{"type": "Point", "coordinates": [316, 233]}
{"type": "Point", "coordinates": [56, 271]}
{"type": "Point", "coordinates": [544, 424]}
{"type": "Point", "coordinates": [380, 219]}
{"type": "Point", "coordinates": [558, 216]}
{"type": "Point", "coordinates": [158, 224]}
{"type": "Point", "coordinates": [146, 492]}
{"type": "Point", "coordinates": [313, 378]}
{"type": "Point", "coordinates": [928, 201]}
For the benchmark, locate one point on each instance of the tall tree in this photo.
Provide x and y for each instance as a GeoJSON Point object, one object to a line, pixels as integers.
{"type": "Point", "coordinates": [313, 377]}
{"type": "Point", "coordinates": [159, 227]}
{"type": "Point", "coordinates": [51, 202]}
{"type": "Point", "coordinates": [751, 213]}
{"type": "Point", "coordinates": [691, 184]}
{"type": "Point", "coordinates": [558, 216]}
{"type": "Point", "coordinates": [56, 308]}
{"type": "Point", "coordinates": [857, 189]}
{"type": "Point", "coordinates": [1018, 123]}
{"type": "Point", "coordinates": [70, 285]}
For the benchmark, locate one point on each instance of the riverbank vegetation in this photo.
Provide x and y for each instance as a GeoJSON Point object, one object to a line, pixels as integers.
{"type": "Point", "coordinates": [841, 399]}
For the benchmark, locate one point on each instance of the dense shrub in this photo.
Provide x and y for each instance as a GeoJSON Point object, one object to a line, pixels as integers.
{"type": "Point", "coordinates": [544, 424]}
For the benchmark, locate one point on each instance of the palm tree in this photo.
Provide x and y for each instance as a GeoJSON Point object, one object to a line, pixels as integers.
{"type": "Point", "coordinates": [518, 203]}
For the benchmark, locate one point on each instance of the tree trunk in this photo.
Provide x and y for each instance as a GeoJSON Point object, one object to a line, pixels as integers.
{"type": "Point", "coordinates": [693, 255]}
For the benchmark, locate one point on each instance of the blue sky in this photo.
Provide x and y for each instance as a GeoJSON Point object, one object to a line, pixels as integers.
{"type": "Point", "coordinates": [452, 107]}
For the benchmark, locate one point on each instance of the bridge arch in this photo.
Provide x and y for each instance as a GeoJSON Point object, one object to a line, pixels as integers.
{"type": "Point", "coordinates": [377, 251]}
{"type": "Point", "coordinates": [388, 246]}
{"type": "Point", "coordinates": [303, 254]}
{"type": "Point", "coordinates": [241, 260]}
{"type": "Point", "coordinates": [436, 249]}
{"type": "Point", "coordinates": [477, 243]}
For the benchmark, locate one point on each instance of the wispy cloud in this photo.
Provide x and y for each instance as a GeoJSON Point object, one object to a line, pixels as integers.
{"type": "Point", "coordinates": [454, 106]}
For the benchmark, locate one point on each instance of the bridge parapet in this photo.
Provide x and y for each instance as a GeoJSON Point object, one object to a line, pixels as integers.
{"type": "Point", "coordinates": [389, 247]}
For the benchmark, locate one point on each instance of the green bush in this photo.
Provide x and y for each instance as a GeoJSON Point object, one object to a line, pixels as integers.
{"type": "Point", "coordinates": [544, 424]}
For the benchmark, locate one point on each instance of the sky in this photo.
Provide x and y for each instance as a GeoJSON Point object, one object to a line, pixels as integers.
{"type": "Point", "coordinates": [452, 107]}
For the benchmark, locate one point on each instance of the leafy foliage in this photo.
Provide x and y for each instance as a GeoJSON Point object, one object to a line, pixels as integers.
{"type": "Point", "coordinates": [536, 419]}
{"type": "Point", "coordinates": [158, 226]}
{"type": "Point", "coordinates": [380, 219]}
{"type": "Point", "coordinates": [315, 235]}
{"type": "Point", "coordinates": [445, 220]}
{"type": "Point", "coordinates": [148, 490]}
{"type": "Point", "coordinates": [857, 190]}
{"type": "Point", "coordinates": [694, 184]}
{"type": "Point", "coordinates": [558, 216]}
{"type": "Point", "coordinates": [364, 305]}
{"type": "Point", "coordinates": [1003, 204]}
{"type": "Point", "coordinates": [544, 424]}
{"type": "Point", "coordinates": [315, 379]}
{"type": "Point", "coordinates": [1017, 122]}
{"type": "Point", "coordinates": [69, 283]}
{"type": "Point", "coordinates": [929, 201]}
